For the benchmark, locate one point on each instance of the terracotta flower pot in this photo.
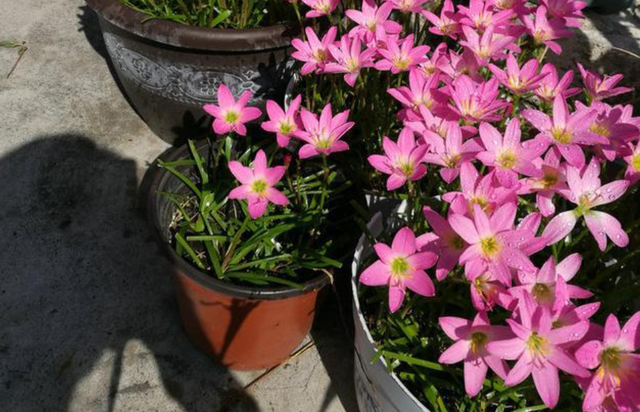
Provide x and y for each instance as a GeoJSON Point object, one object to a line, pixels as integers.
{"type": "Point", "coordinates": [169, 70]}
{"type": "Point", "coordinates": [244, 328]}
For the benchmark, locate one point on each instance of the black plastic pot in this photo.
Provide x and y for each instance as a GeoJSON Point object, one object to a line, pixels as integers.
{"type": "Point", "coordinates": [169, 70]}
{"type": "Point", "coordinates": [244, 328]}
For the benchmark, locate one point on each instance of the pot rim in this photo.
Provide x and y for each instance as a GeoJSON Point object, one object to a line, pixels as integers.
{"type": "Point", "coordinates": [360, 322]}
{"type": "Point", "coordinates": [159, 178]}
{"type": "Point", "coordinates": [192, 37]}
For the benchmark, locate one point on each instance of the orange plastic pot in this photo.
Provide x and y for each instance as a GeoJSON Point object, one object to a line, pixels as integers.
{"type": "Point", "coordinates": [244, 328]}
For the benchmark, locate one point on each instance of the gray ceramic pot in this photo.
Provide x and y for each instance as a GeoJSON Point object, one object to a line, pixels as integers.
{"type": "Point", "coordinates": [169, 70]}
{"type": "Point", "coordinates": [376, 389]}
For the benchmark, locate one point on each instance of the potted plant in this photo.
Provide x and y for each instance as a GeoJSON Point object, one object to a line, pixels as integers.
{"type": "Point", "coordinates": [253, 229]}
{"type": "Point", "coordinates": [503, 283]}
{"type": "Point", "coordinates": [170, 55]}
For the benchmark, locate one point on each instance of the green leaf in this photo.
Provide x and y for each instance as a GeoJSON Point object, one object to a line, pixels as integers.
{"type": "Point", "coordinates": [264, 278]}
{"type": "Point", "coordinates": [220, 18]}
{"type": "Point", "coordinates": [192, 254]}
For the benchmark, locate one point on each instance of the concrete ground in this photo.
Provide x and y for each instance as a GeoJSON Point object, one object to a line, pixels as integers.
{"type": "Point", "coordinates": [87, 316]}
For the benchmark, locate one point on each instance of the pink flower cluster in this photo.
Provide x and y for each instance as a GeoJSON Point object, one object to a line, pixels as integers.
{"type": "Point", "coordinates": [462, 114]}
{"type": "Point", "coordinates": [320, 135]}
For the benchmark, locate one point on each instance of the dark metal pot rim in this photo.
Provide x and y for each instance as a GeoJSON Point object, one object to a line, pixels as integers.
{"type": "Point", "coordinates": [160, 176]}
{"type": "Point", "coordinates": [191, 37]}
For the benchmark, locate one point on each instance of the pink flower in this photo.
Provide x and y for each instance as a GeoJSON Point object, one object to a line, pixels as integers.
{"type": "Point", "coordinates": [349, 59]}
{"type": "Point", "coordinates": [569, 10]}
{"type": "Point", "coordinates": [314, 53]}
{"type": "Point", "coordinates": [601, 88]}
{"type": "Point", "coordinates": [477, 190]}
{"type": "Point", "coordinates": [476, 102]}
{"type": "Point", "coordinates": [373, 21]}
{"type": "Point", "coordinates": [487, 290]}
{"type": "Point", "coordinates": [400, 55]}
{"type": "Point", "coordinates": [485, 47]}
{"type": "Point", "coordinates": [447, 244]}
{"type": "Point", "coordinates": [421, 91]}
{"type": "Point", "coordinates": [633, 161]}
{"type": "Point", "coordinates": [567, 131]}
{"type": "Point", "coordinates": [446, 24]}
{"type": "Point", "coordinates": [610, 125]}
{"type": "Point", "coordinates": [320, 8]}
{"type": "Point", "coordinates": [470, 346]}
{"type": "Point", "coordinates": [257, 184]}
{"type": "Point", "coordinates": [231, 115]}
{"type": "Point", "coordinates": [493, 243]}
{"type": "Point", "coordinates": [551, 181]}
{"type": "Point", "coordinates": [618, 373]}
{"type": "Point", "coordinates": [479, 15]}
{"type": "Point", "coordinates": [402, 161]}
{"type": "Point", "coordinates": [539, 350]}
{"type": "Point", "coordinates": [550, 87]}
{"type": "Point", "coordinates": [455, 65]}
{"type": "Point", "coordinates": [507, 155]}
{"type": "Point", "coordinates": [323, 135]}
{"type": "Point", "coordinates": [284, 125]}
{"type": "Point", "coordinates": [542, 283]}
{"type": "Point", "coordinates": [401, 267]}
{"type": "Point", "coordinates": [450, 153]}
{"type": "Point", "coordinates": [408, 6]}
{"type": "Point", "coordinates": [586, 191]}
{"type": "Point", "coordinates": [545, 31]}
{"type": "Point", "coordinates": [518, 80]}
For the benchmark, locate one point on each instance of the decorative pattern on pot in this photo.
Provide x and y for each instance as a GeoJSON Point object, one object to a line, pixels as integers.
{"type": "Point", "coordinates": [186, 84]}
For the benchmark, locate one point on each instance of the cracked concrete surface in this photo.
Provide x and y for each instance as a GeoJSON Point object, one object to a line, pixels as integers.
{"type": "Point", "coordinates": [87, 316]}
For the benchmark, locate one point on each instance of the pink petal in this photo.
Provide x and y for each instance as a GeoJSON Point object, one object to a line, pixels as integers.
{"type": "Point", "coordinates": [601, 225]}
{"type": "Point", "coordinates": [521, 370]}
{"type": "Point", "coordinates": [380, 163]}
{"type": "Point", "coordinates": [422, 260]}
{"type": "Point", "coordinates": [611, 192]}
{"type": "Point", "coordinates": [274, 174]}
{"type": "Point", "coordinates": [464, 227]}
{"type": "Point", "coordinates": [240, 192]}
{"type": "Point", "coordinates": [455, 328]}
{"type": "Point", "coordinates": [491, 137]}
{"type": "Point", "coordinates": [566, 363]}
{"type": "Point", "coordinates": [308, 151]}
{"type": "Point", "coordinates": [396, 296]}
{"type": "Point", "coordinates": [574, 154]}
{"type": "Point", "coordinates": [213, 110]}
{"type": "Point", "coordinates": [506, 349]}
{"type": "Point", "coordinates": [568, 334]}
{"type": "Point", "coordinates": [257, 207]}
{"type": "Point", "coordinates": [497, 365]}
{"type": "Point", "coordinates": [240, 172]}
{"type": "Point", "coordinates": [260, 163]}
{"type": "Point", "coordinates": [420, 283]}
{"type": "Point", "coordinates": [475, 371]}
{"type": "Point", "coordinates": [277, 197]}
{"type": "Point", "coordinates": [630, 335]}
{"type": "Point", "coordinates": [455, 353]}
{"type": "Point", "coordinates": [384, 252]}
{"type": "Point", "coordinates": [538, 119]}
{"type": "Point", "coordinates": [274, 111]}
{"type": "Point", "coordinates": [404, 242]}
{"type": "Point", "coordinates": [559, 227]}
{"type": "Point", "coordinates": [225, 97]}
{"type": "Point", "coordinates": [375, 275]}
{"type": "Point", "coordinates": [220, 127]}
{"type": "Point", "coordinates": [611, 330]}
{"type": "Point", "coordinates": [249, 113]}
{"type": "Point", "coordinates": [588, 355]}
{"type": "Point", "coordinates": [569, 266]}
{"type": "Point", "coordinates": [547, 381]}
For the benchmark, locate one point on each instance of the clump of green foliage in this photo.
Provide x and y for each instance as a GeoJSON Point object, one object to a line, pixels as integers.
{"type": "Point", "coordinates": [231, 14]}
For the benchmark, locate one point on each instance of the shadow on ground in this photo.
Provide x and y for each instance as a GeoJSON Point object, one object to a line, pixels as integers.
{"type": "Point", "coordinates": [87, 313]}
